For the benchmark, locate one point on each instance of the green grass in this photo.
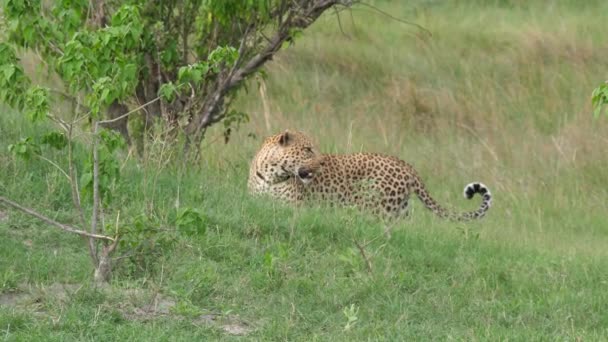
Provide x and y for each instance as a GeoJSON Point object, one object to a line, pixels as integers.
{"type": "Point", "coordinates": [500, 93]}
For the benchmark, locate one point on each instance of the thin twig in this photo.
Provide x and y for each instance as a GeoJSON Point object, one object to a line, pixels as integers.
{"type": "Point", "coordinates": [69, 97]}
{"type": "Point", "coordinates": [352, 19]}
{"type": "Point", "coordinates": [559, 148]}
{"type": "Point", "coordinates": [128, 113]}
{"type": "Point", "coordinates": [78, 119]}
{"type": "Point", "coordinates": [58, 121]}
{"type": "Point", "coordinates": [265, 104]}
{"type": "Point", "coordinates": [76, 193]}
{"type": "Point", "coordinates": [241, 51]}
{"type": "Point", "coordinates": [483, 142]}
{"type": "Point", "coordinates": [212, 142]}
{"type": "Point", "coordinates": [372, 240]}
{"type": "Point", "coordinates": [55, 165]}
{"type": "Point", "coordinates": [376, 9]}
{"type": "Point", "coordinates": [361, 248]}
{"type": "Point", "coordinates": [116, 226]}
{"type": "Point", "coordinates": [340, 22]}
{"type": "Point", "coordinates": [52, 222]}
{"type": "Point", "coordinates": [96, 199]}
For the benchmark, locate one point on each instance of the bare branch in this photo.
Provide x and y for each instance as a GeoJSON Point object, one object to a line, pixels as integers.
{"type": "Point", "coordinates": [58, 121]}
{"type": "Point", "coordinates": [128, 113]}
{"type": "Point", "coordinates": [52, 222]}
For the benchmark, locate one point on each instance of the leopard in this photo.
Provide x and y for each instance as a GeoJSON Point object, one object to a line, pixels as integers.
{"type": "Point", "coordinates": [290, 168]}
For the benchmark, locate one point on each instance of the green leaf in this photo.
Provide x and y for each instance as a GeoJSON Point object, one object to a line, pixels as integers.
{"type": "Point", "coordinates": [86, 180]}
{"type": "Point", "coordinates": [56, 140]}
{"type": "Point", "coordinates": [167, 91]}
{"type": "Point", "coordinates": [196, 75]}
{"type": "Point", "coordinates": [36, 103]}
{"type": "Point", "coordinates": [7, 54]}
{"type": "Point", "coordinates": [183, 73]}
{"type": "Point", "coordinates": [170, 56]}
{"type": "Point", "coordinates": [112, 140]}
{"type": "Point", "coordinates": [104, 97]}
{"type": "Point", "coordinates": [25, 148]}
{"type": "Point", "coordinates": [222, 55]}
{"type": "Point", "coordinates": [8, 71]}
{"type": "Point", "coordinates": [599, 99]}
{"type": "Point", "coordinates": [190, 222]}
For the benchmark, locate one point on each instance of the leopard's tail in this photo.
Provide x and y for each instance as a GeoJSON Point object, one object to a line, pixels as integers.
{"type": "Point", "coordinates": [469, 191]}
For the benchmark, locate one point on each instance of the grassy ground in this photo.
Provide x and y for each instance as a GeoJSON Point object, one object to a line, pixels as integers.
{"type": "Point", "coordinates": [499, 94]}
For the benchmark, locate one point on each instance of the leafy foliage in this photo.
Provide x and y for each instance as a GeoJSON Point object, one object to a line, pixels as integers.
{"type": "Point", "coordinates": [182, 62]}
{"type": "Point", "coordinates": [56, 140]}
{"type": "Point", "coordinates": [599, 99]}
{"type": "Point", "coordinates": [193, 54]}
{"type": "Point", "coordinates": [36, 103]}
{"type": "Point", "coordinates": [13, 81]}
{"type": "Point", "coordinates": [190, 222]}
{"type": "Point", "coordinates": [25, 148]}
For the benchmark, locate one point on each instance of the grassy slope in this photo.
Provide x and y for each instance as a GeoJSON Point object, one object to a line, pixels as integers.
{"type": "Point", "coordinates": [499, 94]}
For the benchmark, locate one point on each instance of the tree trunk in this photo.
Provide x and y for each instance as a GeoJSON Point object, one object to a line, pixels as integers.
{"type": "Point", "coordinates": [103, 271]}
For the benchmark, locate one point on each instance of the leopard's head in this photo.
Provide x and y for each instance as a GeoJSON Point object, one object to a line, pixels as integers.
{"type": "Point", "coordinates": [286, 155]}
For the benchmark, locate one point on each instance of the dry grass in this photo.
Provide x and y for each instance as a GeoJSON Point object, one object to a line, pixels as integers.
{"type": "Point", "coordinates": [499, 95]}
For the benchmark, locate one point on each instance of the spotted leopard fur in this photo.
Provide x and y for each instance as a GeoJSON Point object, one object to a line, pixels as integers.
{"type": "Point", "coordinates": [290, 168]}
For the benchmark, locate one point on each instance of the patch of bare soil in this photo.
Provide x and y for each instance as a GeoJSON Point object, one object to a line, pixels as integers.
{"type": "Point", "coordinates": [237, 328]}
{"type": "Point", "coordinates": [25, 296]}
{"type": "Point", "coordinates": [3, 216]}
{"type": "Point", "coordinates": [133, 304]}
{"type": "Point", "coordinates": [12, 298]}
{"type": "Point", "coordinates": [139, 308]}
{"type": "Point", "coordinates": [162, 306]}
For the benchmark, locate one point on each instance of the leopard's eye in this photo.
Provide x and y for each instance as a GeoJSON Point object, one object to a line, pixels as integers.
{"type": "Point", "coordinates": [308, 149]}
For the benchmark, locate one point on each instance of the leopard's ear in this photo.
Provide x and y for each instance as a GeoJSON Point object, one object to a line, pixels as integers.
{"type": "Point", "coordinates": [285, 138]}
